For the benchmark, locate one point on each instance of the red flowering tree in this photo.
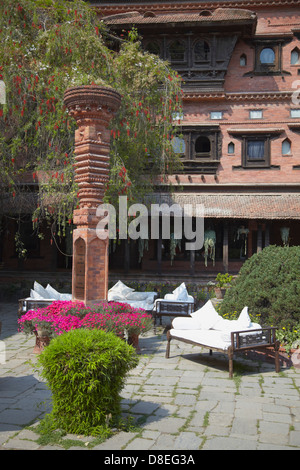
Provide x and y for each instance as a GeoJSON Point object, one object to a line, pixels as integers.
{"type": "Point", "coordinates": [48, 46]}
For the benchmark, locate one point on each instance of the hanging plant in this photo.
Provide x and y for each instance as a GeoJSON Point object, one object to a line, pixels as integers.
{"type": "Point", "coordinates": [285, 232]}
{"type": "Point", "coordinates": [173, 246]}
{"type": "Point", "coordinates": [210, 245]}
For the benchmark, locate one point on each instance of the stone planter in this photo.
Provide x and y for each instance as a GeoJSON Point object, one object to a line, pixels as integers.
{"type": "Point", "coordinates": [292, 357]}
{"type": "Point", "coordinates": [41, 341]}
{"type": "Point", "coordinates": [219, 292]}
{"type": "Point", "coordinates": [133, 340]}
{"type": "Point", "coordinates": [295, 358]}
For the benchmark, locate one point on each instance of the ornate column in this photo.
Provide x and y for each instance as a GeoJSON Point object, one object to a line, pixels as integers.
{"type": "Point", "coordinates": [93, 107]}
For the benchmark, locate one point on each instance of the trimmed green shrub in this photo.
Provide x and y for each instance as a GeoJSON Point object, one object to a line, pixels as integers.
{"type": "Point", "coordinates": [85, 370]}
{"type": "Point", "coordinates": [269, 284]}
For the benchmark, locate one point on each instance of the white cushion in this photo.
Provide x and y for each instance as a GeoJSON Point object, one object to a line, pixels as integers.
{"type": "Point", "coordinates": [35, 295]}
{"type": "Point", "coordinates": [121, 288]}
{"type": "Point", "coordinates": [172, 298]}
{"type": "Point", "coordinates": [181, 293]}
{"type": "Point", "coordinates": [40, 290]}
{"type": "Point", "coordinates": [115, 296]}
{"type": "Point", "coordinates": [52, 293]}
{"type": "Point", "coordinates": [244, 319]}
{"type": "Point", "coordinates": [206, 316]}
{"type": "Point", "coordinates": [242, 323]}
{"type": "Point", "coordinates": [65, 296]}
{"type": "Point", "coordinates": [137, 296]}
{"type": "Point", "coordinates": [181, 323]}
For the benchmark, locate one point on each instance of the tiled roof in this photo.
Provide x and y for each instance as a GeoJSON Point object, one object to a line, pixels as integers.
{"type": "Point", "coordinates": [238, 206]}
{"type": "Point", "coordinates": [219, 15]}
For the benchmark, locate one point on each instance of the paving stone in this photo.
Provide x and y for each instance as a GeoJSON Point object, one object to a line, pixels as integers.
{"type": "Point", "coordinates": [187, 441]}
{"type": "Point", "coordinates": [244, 427]}
{"type": "Point", "coordinates": [144, 407]}
{"type": "Point", "coordinates": [117, 442]}
{"type": "Point", "coordinates": [229, 443]}
{"type": "Point", "coordinates": [21, 444]}
{"type": "Point", "coordinates": [278, 417]}
{"type": "Point", "coordinates": [275, 433]}
{"type": "Point", "coordinates": [216, 430]}
{"type": "Point", "coordinates": [294, 439]}
{"type": "Point", "coordinates": [18, 417]}
{"type": "Point", "coordinates": [140, 444]}
{"type": "Point", "coordinates": [164, 442]}
{"type": "Point", "coordinates": [185, 399]}
{"type": "Point", "coordinates": [166, 425]}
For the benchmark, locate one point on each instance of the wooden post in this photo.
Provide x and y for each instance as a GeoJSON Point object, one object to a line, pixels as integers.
{"type": "Point", "coordinates": [225, 246]}
{"type": "Point", "coordinates": [267, 234]}
{"type": "Point", "coordinates": [159, 253]}
{"type": "Point", "coordinates": [230, 357]}
{"type": "Point", "coordinates": [192, 262]}
{"type": "Point", "coordinates": [126, 256]}
{"type": "Point", "coordinates": [259, 238]}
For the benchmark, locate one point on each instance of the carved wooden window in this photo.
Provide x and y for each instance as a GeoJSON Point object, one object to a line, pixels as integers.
{"type": "Point", "coordinates": [178, 144]}
{"type": "Point", "coordinates": [256, 151]}
{"type": "Point", "coordinates": [177, 52]}
{"type": "Point", "coordinates": [30, 240]}
{"type": "Point", "coordinates": [201, 53]}
{"type": "Point", "coordinates": [202, 147]}
{"type": "Point", "coordinates": [202, 61]}
{"type": "Point", "coordinates": [267, 56]}
{"type": "Point", "coordinates": [199, 149]}
{"type": "Point", "coordinates": [154, 47]}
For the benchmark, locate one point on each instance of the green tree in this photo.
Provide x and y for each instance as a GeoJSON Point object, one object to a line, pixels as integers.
{"type": "Point", "coordinates": [269, 284]}
{"type": "Point", "coordinates": [48, 46]}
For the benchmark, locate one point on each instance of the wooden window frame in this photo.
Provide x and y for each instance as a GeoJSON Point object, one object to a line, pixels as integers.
{"type": "Point", "coordinates": [256, 163]}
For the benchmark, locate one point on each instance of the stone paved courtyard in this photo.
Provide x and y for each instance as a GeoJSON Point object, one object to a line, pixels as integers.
{"type": "Point", "coordinates": [186, 402]}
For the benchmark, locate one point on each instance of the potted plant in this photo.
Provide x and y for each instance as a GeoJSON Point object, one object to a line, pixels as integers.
{"type": "Point", "coordinates": [223, 281]}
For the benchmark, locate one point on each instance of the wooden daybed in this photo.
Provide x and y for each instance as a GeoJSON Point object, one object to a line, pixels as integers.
{"type": "Point", "coordinates": [207, 329]}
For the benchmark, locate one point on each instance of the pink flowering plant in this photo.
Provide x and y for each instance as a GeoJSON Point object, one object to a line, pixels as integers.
{"type": "Point", "coordinates": [63, 316]}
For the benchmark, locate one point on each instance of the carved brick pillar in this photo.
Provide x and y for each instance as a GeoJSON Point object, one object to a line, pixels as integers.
{"type": "Point", "coordinates": [93, 107]}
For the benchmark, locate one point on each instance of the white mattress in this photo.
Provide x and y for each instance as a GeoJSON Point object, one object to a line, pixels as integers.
{"type": "Point", "coordinates": [209, 338]}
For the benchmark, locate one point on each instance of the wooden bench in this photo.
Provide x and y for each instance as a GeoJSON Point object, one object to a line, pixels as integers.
{"type": "Point", "coordinates": [166, 308]}
{"type": "Point", "coordinates": [260, 339]}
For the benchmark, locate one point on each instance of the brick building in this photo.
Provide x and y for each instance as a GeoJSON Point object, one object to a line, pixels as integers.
{"type": "Point", "coordinates": [240, 140]}
{"type": "Point", "coordinates": [240, 131]}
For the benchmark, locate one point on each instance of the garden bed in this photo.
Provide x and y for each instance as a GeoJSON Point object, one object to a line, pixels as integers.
{"type": "Point", "coordinates": [63, 316]}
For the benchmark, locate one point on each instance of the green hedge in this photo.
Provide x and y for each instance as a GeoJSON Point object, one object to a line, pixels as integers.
{"type": "Point", "coordinates": [269, 284]}
{"type": "Point", "coordinates": [85, 370]}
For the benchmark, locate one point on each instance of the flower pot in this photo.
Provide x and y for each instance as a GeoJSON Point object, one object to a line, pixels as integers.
{"type": "Point", "coordinates": [41, 341]}
{"type": "Point", "coordinates": [295, 358]}
{"type": "Point", "coordinates": [219, 293]}
{"type": "Point", "coordinates": [133, 339]}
